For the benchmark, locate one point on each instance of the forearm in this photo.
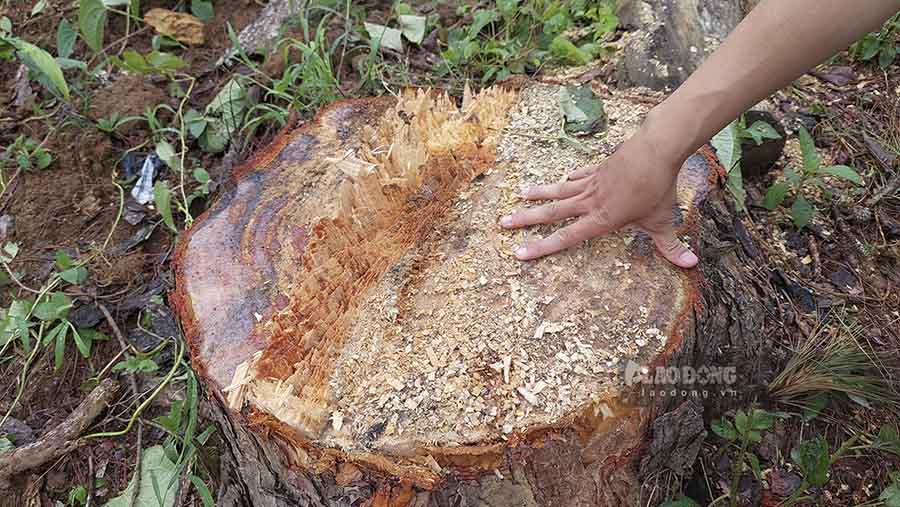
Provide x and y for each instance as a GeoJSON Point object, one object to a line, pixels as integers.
{"type": "Point", "coordinates": [777, 42]}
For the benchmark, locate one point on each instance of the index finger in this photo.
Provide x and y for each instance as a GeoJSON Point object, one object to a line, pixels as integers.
{"type": "Point", "coordinates": [583, 229]}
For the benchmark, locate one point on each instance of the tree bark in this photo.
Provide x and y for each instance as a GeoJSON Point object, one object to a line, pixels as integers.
{"type": "Point", "coordinates": [599, 454]}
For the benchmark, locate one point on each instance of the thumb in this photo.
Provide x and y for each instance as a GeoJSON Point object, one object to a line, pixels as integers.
{"type": "Point", "coordinates": [673, 249]}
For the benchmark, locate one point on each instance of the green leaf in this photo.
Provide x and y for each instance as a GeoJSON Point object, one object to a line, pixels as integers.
{"type": "Point", "coordinates": [724, 429]}
{"type": "Point", "coordinates": [65, 38]}
{"type": "Point", "coordinates": [761, 419]}
{"type": "Point", "coordinates": [775, 195]}
{"type": "Point", "coordinates": [753, 462]}
{"type": "Point", "coordinates": [39, 7]}
{"type": "Point", "coordinates": [563, 49]}
{"type": "Point", "coordinates": [802, 212]}
{"type": "Point", "coordinates": [844, 172]}
{"type": "Point", "coordinates": [870, 46]}
{"type": "Point", "coordinates": [63, 261]}
{"type": "Point", "coordinates": [137, 365]}
{"type": "Point", "coordinates": [166, 153]}
{"type": "Point", "coordinates": [727, 146]}
{"type": "Point", "coordinates": [383, 36]}
{"type": "Point", "coordinates": [83, 342]}
{"type": "Point", "coordinates": [412, 27]}
{"type": "Point", "coordinates": [480, 19]}
{"type": "Point", "coordinates": [43, 66]}
{"type": "Point", "coordinates": [162, 197]}
{"type": "Point", "coordinates": [195, 123]}
{"type": "Point", "coordinates": [891, 495]}
{"type": "Point", "coordinates": [792, 176]}
{"type": "Point", "coordinates": [735, 184]}
{"type": "Point", "coordinates": [810, 155]}
{"type": "Point", "coordinates": [681, 501]}
{"type": "Point", "coordinates": [742, 422]}
{"type": "Point", "coordinates": [55, 307]}
{"type": "Point", "coordinates": [78, 495]}
{"type": "Point", "coordinates": [887, 56]}
{"type": "Point", "coordinates": [202, 491]}
{"type": "Point", "coordinates": [164, 63]}
{"type": "Point", "coordinates": [58, 336]}
{"type": "Point", "coordinates": [92, 22]}
{"type": "Point", "coordinates": [6, 445]}
{"type": "Point", "coordinates": [202, 9]}
{"type": "Point", "coordinates": [508, 8]}
{"type": "Point", "coordinates": [75, 275]}
{"type": "Point", "coordinates": [813, 459]}
{"type": "Point", "coordinates": [762, 130]}
{"type": "Point", "coordinates": [156, 470]}
{"type": "Point", "coordinates": [10, 251]}
{"type": "Point", "coordinates": [582, 109]}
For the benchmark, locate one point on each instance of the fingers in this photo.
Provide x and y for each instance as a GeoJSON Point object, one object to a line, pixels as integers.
{"type": "Point", "coordinates": [673, 249]}
{"type": "Point", "coordinates": [585, 228]}
{"type": "Point", "coordinates": [546, 214]}
{"type": "Point", "coordinates": [582, 172]}
{"type": "Point", "coordinates": [557, 191]}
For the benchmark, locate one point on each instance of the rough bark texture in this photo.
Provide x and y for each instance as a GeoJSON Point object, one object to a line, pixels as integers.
{"type": "Point", "coordinates": [670, 38]}
{"type": "Point", "coordinates": [597, 455]}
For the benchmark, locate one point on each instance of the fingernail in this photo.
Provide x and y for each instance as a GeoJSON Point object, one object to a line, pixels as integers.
{"type": "Point", "coordinates": [523, 192]}
{"type": "Point", "coordinates": [506, 221]}
{"type": "Point", "coordinates": [521, 252]}
{"type": "Point", "coordinates": [687, 258]}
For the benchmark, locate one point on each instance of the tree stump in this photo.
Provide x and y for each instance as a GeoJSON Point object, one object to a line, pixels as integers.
{"type": "Point", "coordinates": [366, 338]}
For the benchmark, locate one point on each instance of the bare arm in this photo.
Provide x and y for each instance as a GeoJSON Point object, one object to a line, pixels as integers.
{"type": "Point", "coordinates": [778, 41]}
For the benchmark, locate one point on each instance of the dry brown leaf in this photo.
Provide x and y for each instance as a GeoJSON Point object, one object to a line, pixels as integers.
{"type": "Point", "coordinates": [177, 25]}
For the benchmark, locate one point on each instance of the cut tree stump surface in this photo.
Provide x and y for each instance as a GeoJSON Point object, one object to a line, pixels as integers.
{"type": "Point", "coordinates": [354, 296]}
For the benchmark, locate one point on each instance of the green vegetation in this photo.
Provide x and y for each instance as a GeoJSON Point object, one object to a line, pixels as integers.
{"type": "Point", "coordinates": [881, 46]}
{"type": "Point", "coordinates": [799, 184]}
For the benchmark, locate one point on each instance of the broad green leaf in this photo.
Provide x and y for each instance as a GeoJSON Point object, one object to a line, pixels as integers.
{"type": "Point", "coordinates": [202, 9]}
{"type": "Point", "coordinates": [742, 422]}
{"type": "Point", "coordinates": [200, 175]}
{"type": "Point", "coordinates": [383, 36]}
{"type": "Point", "coordinates": [6, 444]}
{"type": "Point", "coordinates": [810, 155]}
{"type": "Point", "coordinates": [195, 123]}
{"type": "Point", "coordinates": [887, 56]}
{"type": "Point", "coordinates": [762, 130]}
{"type": "Point", "coordinates": [724, 429]}
{"type": "Point", "coordinates": [582, 109]}
{"type": "Point", "coordinates": [727, 146]}
{"type": "Point", "coordinates": [39, 7]}
{"type": "Point", "coordinates": [813, 459]}
{"type": "Point", "coordinates": [412, 27]}
{"type": "Point", "coordinates": [92, 22]}
{"type": "Point", "coordinates": [227, 107]}
{"type": "Point", "coordinates": [165, 63]}
{"type": "Point", "coordinates": [63, 261]}
{"type": "Point", "coordinates": [74, 275]}
{"type": "Point", "coordinates": [43, 66]}
{"type": "Point", "coordinates": [682, 501]}
{"type": "Point", "coordinates": [78, 495]}
{"type": "Point", "coordinates": [735, 184]}
{"type": "Point", "coordinates": [870, 46]}
{"type": "Point", "coordinates": [202, 491]}
{"type": "Point", "coordinates": [162, 197]}
{"type": "Point", "coordinates": [761, 419]}
{"type": "Point", "coordinates": [775, 195]}
{"type": "Point", "coordinates": [508, 8]}
{"type": "Point", "coordinates": [480, 19]}
{"type": "Point", "coordinates": [844, 172]}
{"type": "Point", "coordinates": [56, 306]}
{"type": "Point", "coordinates": [891, 495]}
{"type": "Point", "coordinates": [156, 470]}
{"type": "Point", "coordinates": [137, 365]}
{"type": "Point", "coordinates": [802, 212]}
{"type": "Point", "coordinates": [10, 250]}
{"type": "Point", "coordinates": [65, 38]}
{"type": "Point", "coordinates": [166, 153]}
{"type": "Point", "coordinates": [563, 49]}
{"type": "Point", "coordinates": [793, 177]}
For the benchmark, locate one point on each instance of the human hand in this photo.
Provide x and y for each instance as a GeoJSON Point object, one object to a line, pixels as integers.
{"type": "Point", "coordinates": [635, 186]}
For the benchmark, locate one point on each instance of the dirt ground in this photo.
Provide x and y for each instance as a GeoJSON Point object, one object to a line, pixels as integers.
{"type": "Point", "coordinates": [848, 259]}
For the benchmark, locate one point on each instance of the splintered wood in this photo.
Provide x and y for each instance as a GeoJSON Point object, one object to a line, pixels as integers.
{"type": "Point", "coordinates": [372, 303]}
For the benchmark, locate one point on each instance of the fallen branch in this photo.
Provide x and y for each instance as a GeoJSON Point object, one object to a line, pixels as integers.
{"type": "Point", "coordinates": [60, 439]}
